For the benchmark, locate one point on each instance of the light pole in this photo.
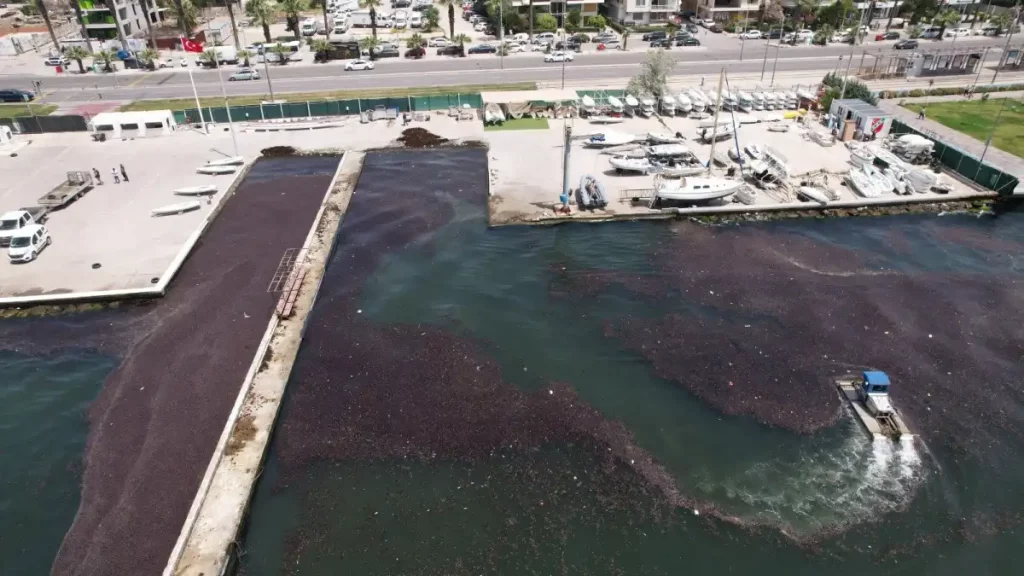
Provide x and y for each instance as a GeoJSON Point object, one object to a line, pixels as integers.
{"type": "Point", "coordinates": [501, 33]}
{"type": "Point", "coordinates": [266, 70]}
{"type": "Point", "coordinates": [988, 140]}
{"type": "Point", "coordinates": [856, 33]}
{"type": "Point", "coordinates": [227, 108]}
{"type": "Point", "coordinates": [1006, 47]}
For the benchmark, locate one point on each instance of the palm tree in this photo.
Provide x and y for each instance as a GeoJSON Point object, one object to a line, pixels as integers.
{"type": "Point", "coordinates": [370, 44]}
{"type": "Point", "coordinates": [430, 18]}
{"type": "Point", "coordinates": [234, 25]}
{"type": "Point", "coordinates": [149, 25]}
{"type": "Point", "coordinates": [185, 13]}
{"type": "Point", "coordinates": [262, 11]}
{"type": "Point", "coordinates": [415, 41]}
{"type": "Point", "coordinates": [461, 39]}
{"type": "Point", "coordinates": [209, 56]}
{"type": "Point", "coordinates": [282, 51]}
{"type": "Point", "coordinates": [292, 8]}
{"type": "Point", "coordinates": [531, 22]}
{"type": "Point", "coordinates": [320, 46]}
{"type": "Point", "coordinates": [451, 15]}
{"type": "Point", "coordinates": [77, 53]}
{"type": "Point", "coordinates": [625, 38]}
{"type": "Point", "coordinates": [323, 6]}
{"type": "Point", "coordinates": [372, 6]}
{"type": "Point", "coordinates": [84, 31]}
{"type": "Point", "coordinates": [104, 57]}
{"type": "Point", "coordinates": [245, 55]}
{"type": "Point", "coordinates": [41, 7]}
{"type": "Point", "coordinates": [944, 20]}
{"type": "Point", "coordinates": [148, 57]}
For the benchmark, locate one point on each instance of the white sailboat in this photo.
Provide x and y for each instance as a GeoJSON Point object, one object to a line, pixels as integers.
{"type": "Point", "coordinates": [615, 106]}
{"type": "Point", "coordinates": [806, 95]}
{"type": "Point", "coordinates": [215, 170]}
{"type": "Point", "coordinates": [204, 190]}
{"type": "Point", "coordinates": [630, 164]}
{"type": "Point", "coordinates": [663, 138]}
{"type": "Point", "coordinates": [862, 185]}
{"type": "Point", "coordinates": [178, 208]}
{"type": "Point", "coordinates": [791, 100]}
{"type": "Point", "coordinates": [229, 161]}
{"type": "Point", "coordinates": [668, 105]}
{"type": "Point", "coordinates": [631, 105]}
{"type": "Point", "coordinates": [813, 194]}
{"type": "Point", "coordinates": [882, 180]}
{"type": "Point", "coordinates": [712, 99]}
{"type": "Point", "coordinates": [647, 107]}
{"type": "Point", "coordinates": [608, 139]}
{"type": "Point", "coordinates": [692, 189]}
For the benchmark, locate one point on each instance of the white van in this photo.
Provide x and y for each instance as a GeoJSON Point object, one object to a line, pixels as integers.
{"type": "Point", "coordinates": [415, 20]}
{"type": "Point", "coordinates": [521, 37]}
{"type": "Point", "coordinates": [28, 242]}
{"type": "Point", "coordinates": [308, 27]}
{"type": "Point", "coordinates": [544, 38]}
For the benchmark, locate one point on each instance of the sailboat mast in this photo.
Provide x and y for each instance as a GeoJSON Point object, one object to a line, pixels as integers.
{"type": "Point", "coordinates": [714, 129]}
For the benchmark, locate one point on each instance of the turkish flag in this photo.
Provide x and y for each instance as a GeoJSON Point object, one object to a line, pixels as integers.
{"type": "Point", "coordinates": [190, 46]}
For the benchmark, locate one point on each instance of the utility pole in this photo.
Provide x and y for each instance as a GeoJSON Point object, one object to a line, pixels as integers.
{"type": "Point", "coordinates": [1006, 47]}
{"type": "Point", "coordinates": [567, 146]}
{"type": "Point", "coordinates": [227, 107]}
{"type": "Point", "coordinates": [266, 70]}
{"type": "Point", "coordinates": [501, 34]}
{"type": "Point", "coordinates": [855, 34]}
{"type": "Point", "coordinates": [714, 129]}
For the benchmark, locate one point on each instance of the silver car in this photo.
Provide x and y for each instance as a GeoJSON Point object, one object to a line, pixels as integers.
{"type": "Point", "coordinates": [245, 74]}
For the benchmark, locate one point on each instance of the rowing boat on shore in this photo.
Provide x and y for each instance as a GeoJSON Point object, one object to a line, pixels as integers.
{"type": "Point", "coordinates": [179, 208]}
{"type": "Point", "coordinates": [204, 190]}
{"type": "Point", "coordinates": [215, 170]}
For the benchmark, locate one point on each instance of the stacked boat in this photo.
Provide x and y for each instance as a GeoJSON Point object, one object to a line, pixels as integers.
{"type": "Point", "coordinates": [615, 106]}
{"type": "Point", "coordinates": [668, 105]}
{"type": "Point", "coordinates": [647, 107]}
{"type": "Point", "coordinates": [631, 105]}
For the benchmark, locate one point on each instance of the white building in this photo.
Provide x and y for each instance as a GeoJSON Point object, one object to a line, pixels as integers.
{"type": "Point", "coordinates": [725, 10]}
{"type": "Point", "coordinates": [557, 9]}
{"type": "Point", "coordinates": [128, 15]}
{"type": "Point", "coordinates": [642, 11]}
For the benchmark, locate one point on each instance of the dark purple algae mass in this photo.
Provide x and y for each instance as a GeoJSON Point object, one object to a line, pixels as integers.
{"type": "Point", "coordinates": [782, 314]}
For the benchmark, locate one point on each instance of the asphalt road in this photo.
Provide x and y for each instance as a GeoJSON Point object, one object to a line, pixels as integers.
{"type": "Point", "coordinates": [439, 71]}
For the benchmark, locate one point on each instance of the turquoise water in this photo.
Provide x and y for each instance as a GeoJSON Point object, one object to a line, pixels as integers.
{"type": "Point", "coordinates": [43, 405]}
{"type": "Point", "coordinates": [917, 506]}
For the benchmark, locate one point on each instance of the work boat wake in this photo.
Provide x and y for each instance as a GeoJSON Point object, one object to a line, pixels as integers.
{"type": "Point", "coordinates": [844, 478]}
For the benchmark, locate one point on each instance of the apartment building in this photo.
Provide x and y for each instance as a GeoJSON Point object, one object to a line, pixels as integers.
{"type": "Point", "coordinates": [642, 11]}
{"type": "Point", "coordinates": [557, 9]}
{"type": "Point", "coordinates": [725, 10]}
{"type": "Point", "coordinates": [102, 23]}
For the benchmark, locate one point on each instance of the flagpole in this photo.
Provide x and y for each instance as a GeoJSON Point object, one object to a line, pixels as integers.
{"type": "Point", "coordinates": [192, 81]}
{"type": "Point", "coordinates": [231, 125]}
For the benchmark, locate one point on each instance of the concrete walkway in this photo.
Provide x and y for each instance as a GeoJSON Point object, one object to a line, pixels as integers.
{"type": "Point", "coordinates": [995, 157]}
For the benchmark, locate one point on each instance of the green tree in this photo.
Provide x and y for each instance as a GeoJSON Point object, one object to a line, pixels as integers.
{"type": "Point", "coordinates": [415, 41]}
{"type": "Point", "coordinates": [283, 53]}
{"type": "Point", "coordinates": [231, 16]}
{"type": "Point", "coordinates": [29, 9]}
{"type": "Point", "coordinates": [81, 22]}
{"type": "Point", "coordinates": [451, 4]}
{"type": "Point", "coordinates": [77, 53]}
{"type": "Point", "coordinates": [822, 35]}
{"type": "Point", "coordinates": [292, 9]}
{"type": "Point", "coordinates": [653, 75]}
{"type": "Point", "coordinates": [461, 39]}
{"type": "Point", "coordinates": [836, 13]}
{"type": "Point", "coordinates": [854, 89]}
{"type": "Point", "coordinates": [803, 12]}
{"type": "Point", "coordinates": [1002, 22]}
{"type": "Point", "coordinates": [262, 12]}
{"type": "Point", "coordinates": [919, 9]}
{"type": "Point", "coordinates": [370, 44]}
{"type": "Point", "coordinates": [546, 21]}
{"type": "Point", "coordinates": [320, 45]}
{"type": "Point", "coordinates": [185, 14]}
{"type": "Point", "coordinates": [597, 21]}
{"type": "Point", "coordinates": [573, 19]}
{"type": "Point", "coordinates": [209, 57]}
{"type": "Point", "coordinates": [372, 6]}
{"type": "Point", "coordinates": [914, 31]}
{"type": "Point", "coordinates": [104, 58]}
{"type": "Point", "coordinates": [531, 21]}
{"type": "Point", "coordinates": [431, 18]}
{"type": "Point", "coordinates": [946, 19]}
{"type": "Point", "coordinates": [323, 7]}
{"type": "Point", "coordinates": [246, 57]}
{"type": "Point", "coordinates": [148, 58]}
{"type": "Point", "coordinates": [771, 12]}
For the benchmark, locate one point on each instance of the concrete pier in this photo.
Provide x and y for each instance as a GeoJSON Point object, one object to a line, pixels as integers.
{"type": "Point", "coordinates": [212, 525]}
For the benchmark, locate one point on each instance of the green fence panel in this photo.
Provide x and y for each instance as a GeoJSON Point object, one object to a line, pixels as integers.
{"type": "Point", "coordinates": [245, 113]}
{"type": "Point", "coordinates": [964, 164]}
{"type": "Point", "coordinates": [437, 102]}
{"type": "Point", "coordinates": [348, 107]}
{"type": "Point", "coordinates": [371, 103]}
{"type": "Point", "coordinates": [318, 109]}
{"type": "Point", "coordinates": [218, 114]}
{"type": "Point", "coordinates": [296, 110]}
{"type": "Point", "coordinates": [399, 102]}
{"type": "Point", "coordinates": [179, 116]}
{"type": "Point", "coordinates": [421, 103]}
{"type": "Point", "coordinates": [474, 100]}
{"type": "Point", "coordinates": [271, 111]}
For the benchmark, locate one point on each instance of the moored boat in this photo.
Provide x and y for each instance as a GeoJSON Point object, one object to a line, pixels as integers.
{"type": "Point", "coordinates": [693, 189]}
{"type": "Point", "coordinates": [663, 138]}
{"type": "Point", "coordinates": [204, 190]}
{"type": "Point", "coordinates": [812, 194]}
{"type": "Point", "coordinates": [608, 139]}
{"type": "Point", "coordinates": [604, 119]}
{"type": "Point", "coordinates": [862, 185]}
{"type": "Point", "coordinates": [178, 208]}
{"type": "Point", "coordinates": [215, 170]}
{"type": "Point", "coordinates": [229, 161]}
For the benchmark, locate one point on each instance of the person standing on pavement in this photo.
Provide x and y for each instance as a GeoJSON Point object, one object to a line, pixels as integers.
{"type": "Point", "coordinates": [96, 176]}
{"type": "Point", "coordinates": [124, 173]}
{"type": "Point", "coordinates": [117, 177]}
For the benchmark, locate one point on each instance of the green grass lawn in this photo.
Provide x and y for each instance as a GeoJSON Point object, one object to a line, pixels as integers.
{"type": "Point", "coordinates": [975, 118]}
{"type": "Point", "coordinates": [186, 103]}
{"type": "Point", "coordinates": [12, 110]}
{"type": "Point", "coordinates": [520, 124]}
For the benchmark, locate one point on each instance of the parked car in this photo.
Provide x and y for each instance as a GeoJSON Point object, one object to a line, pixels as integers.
{"type": "Point", "coordinates": [245, 74]}
{"type": "Point", "coordinates": [775, 34]}
{"type": "Point", "coordinates": [483, 49]}
{"type": "Point", "coordinates": [57, 61]}
{"type": "Point", "coordinates": [15, 95]}
{"type": "Point", "coordinates": [661, 43]}
{"type": "Point", "coordinates": [604, 37]}
{"type": "Point", "coordinates": [887, 36]}
{"type": "Point", "coordinates": [691, 27]}
{"type": "Point", "coordinates": [688, 41]}
{"type": "Point", "coordinates": [28, 242]}
{"type": "Point", "coordinates": [656, 35]}
{"type": "Point", "coordinates": [752, 35]}
{"type": "Point", "coordinates": [569, 45]}
{"type": "Point", "coordinates": [905, 45]}
{"type": "Point", "coordinates": [438, 42]}
{"type": "Point", "coordinates": [451, 50]}
{"type": "Point", "coordinates": [558, 57]}
{"type": "Point", "coordinates": [715, 28]}
{"type": "Point", "coordinates": [610, 43]}
{"type": "Point", "coordinates": [359, 65]}
{"type": "Point", "coordinates": [957, 32]}
{"type": "Point", "coordinates": [544, 38]}
{"type": "Point", "coordinates": [417, 53]}
{"type": "Point", "coordinates": [515, 47]}
{"type": "Point", "coordinates": [580, 37]}
{"type": "Point", "coordinates": [388, 52]}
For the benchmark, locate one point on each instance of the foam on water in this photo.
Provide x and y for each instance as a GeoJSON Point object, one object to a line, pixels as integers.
{"type": "Point", "coordinates": [847, 479]}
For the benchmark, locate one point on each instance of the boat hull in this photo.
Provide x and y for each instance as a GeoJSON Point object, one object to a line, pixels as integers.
{"type": "Point", "coordinates": [179, 208]}
{"type": "Point", "coordinates": [197, 190]}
